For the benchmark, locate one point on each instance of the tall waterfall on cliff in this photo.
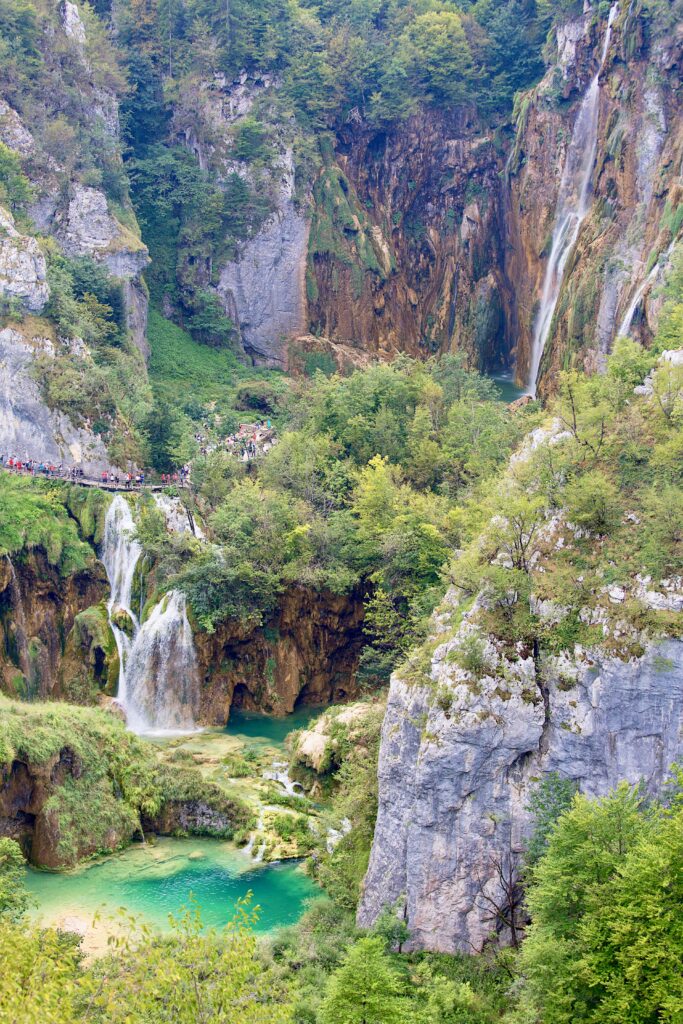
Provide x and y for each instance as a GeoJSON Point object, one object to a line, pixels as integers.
{"type": "Point", "coordinates": [573, 203]}
{"type": "Point", "coordinates": [121, 552]}
{"type": "Point", "coordinates": [158, 679]}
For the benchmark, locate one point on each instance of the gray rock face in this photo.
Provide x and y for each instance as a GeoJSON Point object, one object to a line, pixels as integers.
{"type": "Point", "coordinates": [28, 429]}
{"type": "Point", "coordinates": [23, 272]}
{"type": "Point", "coordinates": [457, 767]}
{"type": "Point", "coordinates": [265, 287]}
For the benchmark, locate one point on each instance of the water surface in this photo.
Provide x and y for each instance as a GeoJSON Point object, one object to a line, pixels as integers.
{"type": "Point", "coordinates": [507, 389]}
{"type": "Point", "coordinates": [153, 881]}
{"type": "Point", "coordinates": [255, 729]}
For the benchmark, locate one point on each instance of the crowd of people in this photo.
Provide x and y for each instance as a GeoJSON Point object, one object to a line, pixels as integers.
{"type": "Point", "coordinates": [247, 443]}
{"type": "Point", "coordinates": [50, 470]}
{"type": "Point", "coordinates": [251, 440]}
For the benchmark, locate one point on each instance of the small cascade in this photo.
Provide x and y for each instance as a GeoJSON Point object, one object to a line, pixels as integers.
{"type": "Point", "coordinates": [158, 678]}
{"type": "Point", "coordinates": [161, 674]}
{"type": "Point", "coordinates": [20, 626]}
{"type": "Point", "coordinates": [573, 204]}
{"type": "Point", "coordinates": [625, 325]}
{"type": "Point", "coordinates": [280, 774]}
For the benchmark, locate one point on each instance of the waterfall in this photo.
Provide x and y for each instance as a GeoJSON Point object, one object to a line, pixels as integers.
{"type": "Point", "coordinates": [121, 552]}
{"type": "Point", "coordinates": [162, 673]}
{"type": "Point", "coordinates": [625, 325]}
{"type": "Point", "coordinates": [158, 679]}
{"type": "Point", "coordinates": [573, 203]}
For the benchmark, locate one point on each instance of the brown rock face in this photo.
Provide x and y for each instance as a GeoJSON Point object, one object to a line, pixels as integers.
{"type": "Point", "coordinates": [37, 612]}
{"type": "Point", "coordinates": [406, 244]}
{"type": "Point", "coordinates": [307, 654]}
{"type": "Point", "coordinates": [636, 190]}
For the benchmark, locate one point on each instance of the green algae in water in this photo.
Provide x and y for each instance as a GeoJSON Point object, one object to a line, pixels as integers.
{"type": "Point", "coordinates": [152, 882]}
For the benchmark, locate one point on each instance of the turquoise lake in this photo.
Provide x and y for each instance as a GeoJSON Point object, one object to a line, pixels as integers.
{"type": "Point", "coordinates": [152, 881]}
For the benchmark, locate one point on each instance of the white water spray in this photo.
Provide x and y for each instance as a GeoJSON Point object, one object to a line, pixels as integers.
{"type": "Point", "coordinates": [162, 674]}
{"type": "Point", "coordinates": [573, 203]}
{"type": "Point", "coordinates": [158, 678]}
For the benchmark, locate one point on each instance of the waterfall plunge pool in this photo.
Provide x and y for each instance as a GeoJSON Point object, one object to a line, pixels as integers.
{"type": "Point", "coordinates": [151, 881]}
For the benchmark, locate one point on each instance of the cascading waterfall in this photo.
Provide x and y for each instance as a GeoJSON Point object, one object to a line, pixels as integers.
{"type": "Point", "coordinates": [121, 553]}
{"type": "Point", "coordinates": [158, 678]}
{"type": "Point", "coordinates": [625, 325]}
{"type": "Point", "coordinates": [162, 674]}
{"type": "Point", "coordinates": [573, 203]}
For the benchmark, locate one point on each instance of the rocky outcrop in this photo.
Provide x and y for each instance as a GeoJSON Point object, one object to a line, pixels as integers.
{"type": "Point", "coordinates": [459, 761]}
{"type": "Point", "coordinates": [264, 289]}
{"type": "Point", "coordinates": [29, 429]}
{"type": "Point", "coordinates": [38, 609]}
{"type": "Point", "coordinates": [307, 654]}
{"type": "Point", "coordinates": [610, 279]}
{"type": "Point", "coordinates": [79, 215]}
{"type": "Point", "coordinates": [23, 273]}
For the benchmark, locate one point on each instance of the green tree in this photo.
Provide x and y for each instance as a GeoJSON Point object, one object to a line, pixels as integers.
{"type": "Point", "coordinates": [15, 190]}
{"type": "Point", "coordinates": [606, 900]}
{"type": "Point", "coordinates": [434, 56]}
{"type": "Point", "coordinates": [365, 989]}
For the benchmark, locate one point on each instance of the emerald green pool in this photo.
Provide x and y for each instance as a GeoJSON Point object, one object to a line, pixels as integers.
{"type": "Point", "coordinates": [263, 730]}
{"type": "Point", "coordinates": [154, 881]}
{"type": "Point", "coordinates": [507, 389]}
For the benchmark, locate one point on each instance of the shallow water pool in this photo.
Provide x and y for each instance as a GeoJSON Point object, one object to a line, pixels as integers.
{"type": "Point", "coordinates": [153, 881]}
{"type": "Point", "coordinates": [255, 729]}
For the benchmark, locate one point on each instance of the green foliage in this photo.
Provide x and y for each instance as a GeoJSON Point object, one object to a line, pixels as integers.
{"type": "Point", "coordinates": [193, 975]}
{"type": "Point", "coordinates": [365, 989]}
{"type": "Point", "coordinates": [551, 798]}
{"type": "Point", "coordinates": [606, 902]}
{"type": "Point", "coordinates": [14, 897]}
{"type": "Point", "coordinates": [33, 514]}
{"type": "Point", "coordinates": [15, 190]}
{"type": "Point", "coordinates": [117, 779]}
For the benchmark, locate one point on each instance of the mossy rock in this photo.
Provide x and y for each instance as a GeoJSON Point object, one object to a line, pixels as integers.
{"type": "Point", "coordinates": [122, 620]}
{"type": "Point", "coordinates": [91, 663]}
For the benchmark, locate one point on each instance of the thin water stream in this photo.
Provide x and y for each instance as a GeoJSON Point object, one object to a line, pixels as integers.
{"type": "Point", "coordinates": [573, 203]}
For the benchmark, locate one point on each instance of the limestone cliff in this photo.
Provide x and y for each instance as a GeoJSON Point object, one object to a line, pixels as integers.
{"type": "Point", "coordinates": [610, 278]}
{"type": "Point", "coordinates": [455, 776]}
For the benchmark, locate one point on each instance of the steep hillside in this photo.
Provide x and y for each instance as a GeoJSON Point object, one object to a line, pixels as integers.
{"type": "Point", "coordinates": [556, 653]}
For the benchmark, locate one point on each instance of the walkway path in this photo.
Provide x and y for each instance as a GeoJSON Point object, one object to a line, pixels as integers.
{"type": "Point", "coordinates": [84, 481]}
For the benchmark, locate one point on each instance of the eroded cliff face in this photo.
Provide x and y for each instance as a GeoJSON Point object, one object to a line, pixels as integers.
{"type": "Point", "coordinates": [455, 776]}
{"type": "Point", "coordinates": [406, 250]}
{"type": "Point", "coordinates": [38, 609]}
{"type": "Point", "coordinates": [307, 654]}
{"type": "Point", "coordinates": [611, 276]}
